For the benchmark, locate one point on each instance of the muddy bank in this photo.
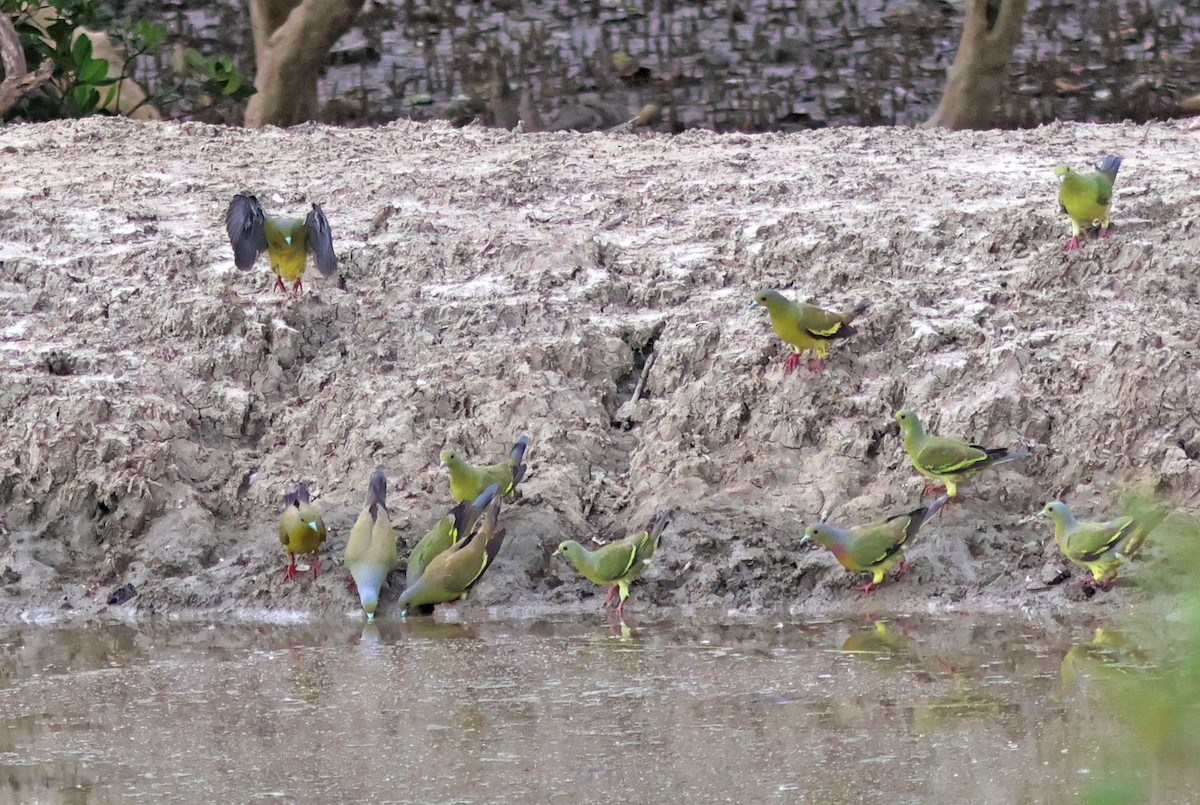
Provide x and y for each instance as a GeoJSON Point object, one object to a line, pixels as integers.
{"type": "Point", "coordinates": [157, 400]}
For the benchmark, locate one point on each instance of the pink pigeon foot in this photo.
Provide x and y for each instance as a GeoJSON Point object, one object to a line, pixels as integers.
{"type": "Point", "coordinates": [792, 362]}
{"type": "Point", "coordinates": [612, 591]}
{"type": "Point", "coordinates": [1104, 231]}
{"type": "Point", "coordinates": [900, 571]}
{"type": "Point", "coordinates": [279, 286]}
{"type": "Point", "coordinates": [867, 588]}
{"type": "Point", "coordinates": [315, 567]}
{"type": "Point", "coordinates": [298, 287]}
{"type": "Point", "coordinates": [289, 572]}
{"type": "Point", "coordinates": [816, 364]}
{"type": "Point", "coordinates": [932, 487]}
{"type": "Point", "coordinates": [1073, 243]}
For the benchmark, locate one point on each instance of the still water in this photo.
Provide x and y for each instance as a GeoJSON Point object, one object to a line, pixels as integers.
{"type": "Point", "coordinates": [734, 65]}
{"type": "Point", "coordinates": [565, 709]}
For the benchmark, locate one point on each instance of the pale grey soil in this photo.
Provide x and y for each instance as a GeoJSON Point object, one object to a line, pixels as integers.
{"type": "Point", "coordinates": [156, 400]}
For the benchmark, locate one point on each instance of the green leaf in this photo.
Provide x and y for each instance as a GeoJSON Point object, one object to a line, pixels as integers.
{"type": "Point", "coordinates": [194, 59]}
{"type": "Point", "coordinates": [151, 33]}
{"type": "Point", "coordinates": [84, 99]}
{"type": "Point", "coordinates": [81, 50]}
{"type": "Point", "coordinates": [95, 71]}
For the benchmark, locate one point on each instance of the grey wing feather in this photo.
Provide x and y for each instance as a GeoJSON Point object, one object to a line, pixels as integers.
{"type": "Point", "coordinates": [244, 222]}
{"type": "Point", "coordinates": [319, 241]}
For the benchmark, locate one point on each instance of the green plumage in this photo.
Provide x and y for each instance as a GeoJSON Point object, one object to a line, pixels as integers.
{"type": "Point", "coordinates": [618, 563]}
{"type": "Point", "coordinates": [454, 572]}
{"type": "Point", "coordinates": [1101, 547]}
{"type": "Point", "coordinates": [301, 529]}
{"type": "Point", "coordinates": [874, 547]}
{"type": "Point", "coordinates": [806, 326]}
{"type": "Point", "coordinates": [288, 242]}
{"type": "Point", "coordinates": [467, 482]}
{"type": "Point", "coordinates": [1085, 197]}
{"type": "Point", "coordinates": [948, 460]}
{"type": "Point", "coordinates": [371, 549]}
{"type": "Point", "coordinates": [459, 522]}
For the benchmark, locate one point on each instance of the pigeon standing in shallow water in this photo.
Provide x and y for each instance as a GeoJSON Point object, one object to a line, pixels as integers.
{"type": "Point", "coordinates": [371, 549]}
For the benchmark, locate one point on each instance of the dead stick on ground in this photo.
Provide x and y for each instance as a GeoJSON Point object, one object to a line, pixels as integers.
{"type": "Point", "coordinates": [637, 390]}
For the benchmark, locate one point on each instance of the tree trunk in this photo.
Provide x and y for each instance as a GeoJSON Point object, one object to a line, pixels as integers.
{"type": "Point", "coordinates": [291, 41]}
{"type": "Point", "coordinates": [991, 29]}
{"type": "Point", "coordinates": [17, 81]}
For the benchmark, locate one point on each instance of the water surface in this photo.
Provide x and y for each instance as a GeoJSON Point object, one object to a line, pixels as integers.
{"type": "Point", "coordinates": [565, 709]}
{"type": "Point", "coordinates": [736, 65]}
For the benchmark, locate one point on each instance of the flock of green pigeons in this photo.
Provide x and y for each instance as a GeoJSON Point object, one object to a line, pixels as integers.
{"type": "Point", "coordinates": [460, 547]}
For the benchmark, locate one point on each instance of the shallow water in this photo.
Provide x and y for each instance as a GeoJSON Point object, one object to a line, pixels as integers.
{"type": "Point", "coordinates": [744, 65]}
{"type": "Point", "coordinates": [567, 709]}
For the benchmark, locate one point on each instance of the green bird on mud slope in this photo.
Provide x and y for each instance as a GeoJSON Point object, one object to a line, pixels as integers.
{"type": "Point", "coordinates": [618, 563]}
{"type": "Point", "coordinates": [467, 482]}
{"type": "Point", "coordinates": [1085, 198]}
{"type": "Point", "coordinates": [874, 547]}
{"type": "Point", "coordinates": [1101, 547]}
{"type": "Point", "coordinates": [458, 523]}
{"type": "Point", "coordinates": [806, 326]}
{"type": "Point", "coordinates": [288, 242]}
{"type": "Point", "coordinates": [453, 573]}
{"type": "Point", "coordinates": [948, 461]}
{"type": "Point", "coordinates": [301, 529]}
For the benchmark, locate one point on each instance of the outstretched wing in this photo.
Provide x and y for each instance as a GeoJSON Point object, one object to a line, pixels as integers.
{"type": "Point", "coordinates": [319, 241]}
{"type": "Point", "coordinates": [244, 221]}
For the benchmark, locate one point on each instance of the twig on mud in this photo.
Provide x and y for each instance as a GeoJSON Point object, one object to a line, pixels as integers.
{"type": "Point", "coordinates": [637, 390]}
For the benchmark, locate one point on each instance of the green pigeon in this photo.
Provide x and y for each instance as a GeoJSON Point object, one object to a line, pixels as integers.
{"type": "Point", "coordinates": [948, 461]}
{"type": "Point", "coordinates": [287, 241]}
{"type": "Point", "coordinates": [806, 326]}
{"type": "Point", "coordinates": [371, 549]}
{"type": "Point", "coordinates": [301, 529]}
{"type": "Point", "coordinates": [618, 563]}
{"type": "Point", "coordinates": [452, 574]}
{"type": "Point", "coordinates": [456, 524]}
{"type": "Point", "coordinates": [467, 482]}
{"type": "Point", "coordinates": [1101, 547]}
{"type": "Point", "coordinates": [1085, 198]}
{"type": "Point", "coordinates": [874, 547]}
